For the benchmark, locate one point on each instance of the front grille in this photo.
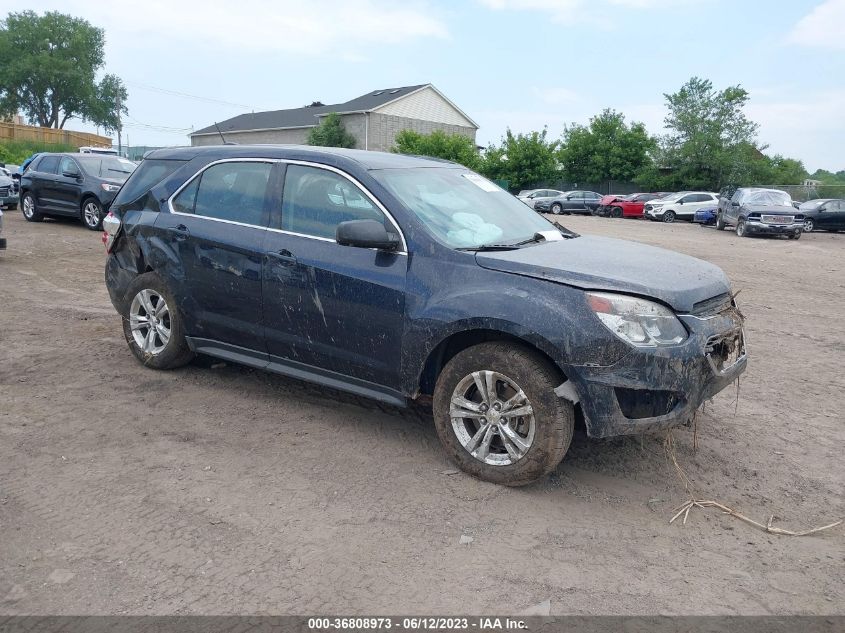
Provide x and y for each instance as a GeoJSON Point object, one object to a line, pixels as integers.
{"type": "Point", "coordinates": [4, 191]}
{"type": "Point", "coordinates": [637, 404]}
{"type": "Point", "coordinates": [712, 306]}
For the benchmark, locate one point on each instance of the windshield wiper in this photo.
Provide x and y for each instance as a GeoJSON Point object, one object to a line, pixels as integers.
{"type": "Point", "coordinates": [489, 247]}
{"type": "Point", "coordinates": [567, 234]}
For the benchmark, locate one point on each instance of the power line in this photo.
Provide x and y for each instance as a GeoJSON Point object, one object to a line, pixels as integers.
{"type": "Point", "coordinates": [185, 95]}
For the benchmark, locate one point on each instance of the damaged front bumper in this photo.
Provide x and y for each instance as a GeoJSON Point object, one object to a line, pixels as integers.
{"type": "Point", "coordinates": [654, 389]}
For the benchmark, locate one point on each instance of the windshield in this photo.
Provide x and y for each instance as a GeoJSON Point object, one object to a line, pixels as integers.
{"type": "Point", "coordinates": [812, 205]}
{"type": "Point", "coordinates": [461, 208]}
{"type": "Point", "coordinates": [104, 166]}
{"type": "Point", "coordinates": [770, 198]}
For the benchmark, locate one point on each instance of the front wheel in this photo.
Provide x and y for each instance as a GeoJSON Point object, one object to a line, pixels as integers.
{"type": "Point", "coordinates": [557, 209]}
{"type": "Point", "coordinates": [616, 212]}
{"type": "Point", "coordinates": [92, 214]}
{"type": "Point", "coordinates": [153, 326]}
{"type": "Point", "coordinates": [809, 225]}
{"type": "Point", "coordinates": [740, 229]}
{"type": "Point", "coordinates": [720, 222]}
{"type": "Point", "coordinates": [29, 210]}
{"type": "Point", "coordinates": [795, 236]}
{"type": "Point", "coordinates": [669, 217]}
{"type": "Point", "coordinates": [498, 416]}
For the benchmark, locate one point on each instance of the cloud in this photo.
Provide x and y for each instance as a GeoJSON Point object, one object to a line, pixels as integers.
{"type": "Point", "coordinates": [569, 11]}
{"type": "Point", "coordinates": [555, 96]}
{"type": "Point", "coordinates": [822, 27]}
{"type": "Point", "coordinates": [308, 28]}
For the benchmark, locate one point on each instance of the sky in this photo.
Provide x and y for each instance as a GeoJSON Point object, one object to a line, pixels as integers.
{"type": "Point", "coordinates": [518, 64]}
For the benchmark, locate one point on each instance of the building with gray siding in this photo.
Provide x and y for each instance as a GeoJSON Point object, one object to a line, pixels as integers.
{"type": "Point", "coordinates": [374, 119]}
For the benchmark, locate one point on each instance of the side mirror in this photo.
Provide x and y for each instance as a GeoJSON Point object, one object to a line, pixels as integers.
{"type": "Point", "coordinates": [366, 234]}
{"type": "Point", "coordinates": [734, 204]}
{"type": "Point", "coordinates": [681, 201]}
{"type": "Point", "coordinates": [70, 174]}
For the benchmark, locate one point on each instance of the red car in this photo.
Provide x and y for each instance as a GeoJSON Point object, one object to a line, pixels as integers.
{"type": "Point", "coordinates": [606, 203]}
{"type": "Point", "coordinates": [630, 206]}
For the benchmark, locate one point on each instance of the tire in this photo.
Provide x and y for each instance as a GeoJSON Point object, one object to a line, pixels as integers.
{"type": "Point", "coordinates": [159, 353]}
{"type": "Point", "coordinates": [556, 209]}
{"type": "Point", "coordinates": [740, 229]}
{"type": "Point", "coordinates": [545, 431]}
{"type": "Point", "coordinates": [720, 222]}
{"type": "Point", "coordinates": [669, 217]}
{"type": "Point", "coordinates": [616, 212]}
{"type": "Point", "coordinates": [92, 214]}
{"type": "Point", "coordinates": [809, 225]}
{"type": "Point", "coordinates": [30, 209]}
{"type": "Point", "coordinates": [795, 236]}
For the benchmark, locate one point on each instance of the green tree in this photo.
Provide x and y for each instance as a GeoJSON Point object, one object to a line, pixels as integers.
{"type": "Point", "coordinates": [331, 133]}
{"type": "Point", "coordinates": [706, 128]}
{"type": "Point", "coordinates": [785, 171]}
{"type": "Point", "coordinates": [522, 159]}
{"type": "Point", "coordinates": [455, 147]}
{"type": "Point", "coordinates": [607, 149]}
{"type": "Point", "coordinates": [49, 71]}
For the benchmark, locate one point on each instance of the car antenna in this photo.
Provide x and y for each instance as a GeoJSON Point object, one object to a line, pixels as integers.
{"type": "Point", "coordinates": [225, 142]}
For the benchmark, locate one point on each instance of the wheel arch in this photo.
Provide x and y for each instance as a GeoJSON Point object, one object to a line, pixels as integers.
{"type": "Point", "coordinates": [456, 342]}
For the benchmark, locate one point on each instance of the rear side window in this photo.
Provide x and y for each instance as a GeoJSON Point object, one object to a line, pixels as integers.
{"type": "Point", "coordinates": [48, 165]}
{"type": "Point", "coordinates": [147, 176]}
{"type": "Point", "coordinates": [235, 192]}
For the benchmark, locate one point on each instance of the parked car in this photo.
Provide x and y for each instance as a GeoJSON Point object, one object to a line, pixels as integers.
{"type": "Point", "coordinates": [570, 202]}
{"type": "Point", "coordinates": [536, 195]}
{"type": "Point", "coordinates": [706, 216]}
{"type": "Point", "coordinates": [76, 185]}
{"type": "Point", "coordinates": [756, 211]}
{"type": "Point", "coordinates": [15, 173]}
{"type": "Point", "coordinates": [605, 203]}
{"type": "Point", "coordinates": [397, 277]}
{"type": "Point", "coordinates": [8, 190]}
{"type": "Point", "coordinates": [679, 206]}
{"type": "Point", "coordinates": [630, 207]}
{"type": "Point", "coordinates": [826, 214]}
{"type": "Point", "coordinates": [106, 151]}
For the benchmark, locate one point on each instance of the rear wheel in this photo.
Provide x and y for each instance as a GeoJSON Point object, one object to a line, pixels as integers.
{"type": "Point", "coordinates": [498, 416]}
{"type": "Point", "coordinates": [153, 326]}
{"type": "Point", "coordinates": [29, 210]}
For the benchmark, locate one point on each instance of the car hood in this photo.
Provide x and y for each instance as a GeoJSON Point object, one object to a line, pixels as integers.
{"type": "Point", "coordinates": [602, 263]}
{"type": "Point", "coordinates": [772, 208]}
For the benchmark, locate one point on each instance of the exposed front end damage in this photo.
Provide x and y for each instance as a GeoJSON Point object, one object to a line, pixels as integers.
{"type": "Point", "coordinates": [653, 389]}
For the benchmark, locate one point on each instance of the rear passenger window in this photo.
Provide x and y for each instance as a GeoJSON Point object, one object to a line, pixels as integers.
{"type": "Point", "coordinates": [235, 192]}
{"type": "Point", "coordinates": [49, 165]}
{"type": "Point", "coordinates": [316, 200]}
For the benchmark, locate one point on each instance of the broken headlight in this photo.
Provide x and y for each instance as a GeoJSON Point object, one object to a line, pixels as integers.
{"type": "Point", "coordinates": [637, 321]}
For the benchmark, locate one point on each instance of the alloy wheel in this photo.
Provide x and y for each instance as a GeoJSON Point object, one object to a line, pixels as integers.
{"type": "Point", "coordinates": [91, 213]}
{"type": "Point", "coordinates": [492, 418]}
{"type": "Point", "coordinates": [808, 226]}
{"type": "Point", "coordinates": [28, 207]}
{"type": "Point", "coordinates": [149, 320]}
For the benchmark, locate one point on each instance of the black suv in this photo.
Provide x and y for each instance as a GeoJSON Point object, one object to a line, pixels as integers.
{"type": "Point", "coordinates": [402, 278]}
{"type": "Point", "coordinates": [75, 185]}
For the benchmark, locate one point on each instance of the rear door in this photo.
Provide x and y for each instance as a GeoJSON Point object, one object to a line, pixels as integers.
{"type": "Point", "coordinates": [216, 225]}
{"type": "Point", "coordinates": [329, 309]}
{"type": "Point", "coordinates": [43, 176]}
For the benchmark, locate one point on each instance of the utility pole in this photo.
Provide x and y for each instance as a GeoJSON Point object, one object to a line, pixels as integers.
{"type": "Point", "coordinates": [119, 126]}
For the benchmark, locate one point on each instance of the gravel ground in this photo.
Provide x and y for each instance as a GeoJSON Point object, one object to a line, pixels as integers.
{"type": "Point", "coordinates": [213, 490]}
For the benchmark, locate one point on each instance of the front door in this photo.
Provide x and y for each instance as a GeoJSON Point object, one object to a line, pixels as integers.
{"type": "Point", "coordinates": [68, 186]}
{"type": "Point", "coordinates": [216, 226]}
{"type": "Point", "coordinates": [336, 310]}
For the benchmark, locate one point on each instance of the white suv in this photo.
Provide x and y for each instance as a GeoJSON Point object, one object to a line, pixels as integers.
{"type": "Point", "coordinates": [681, 206]}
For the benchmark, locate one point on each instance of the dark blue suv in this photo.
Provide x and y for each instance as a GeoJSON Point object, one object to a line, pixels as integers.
{"type": "Point", "coordinates": [402, 278]}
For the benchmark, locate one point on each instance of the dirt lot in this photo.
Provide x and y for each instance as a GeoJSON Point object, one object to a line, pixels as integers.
{"type": "Point", "coordinates": [225, 490]}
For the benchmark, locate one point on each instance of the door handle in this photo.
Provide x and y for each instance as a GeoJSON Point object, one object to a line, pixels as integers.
{"type": "Point", "coordinates": [182, 233]}
{"type": "Point", "coordinates": [284, 256]}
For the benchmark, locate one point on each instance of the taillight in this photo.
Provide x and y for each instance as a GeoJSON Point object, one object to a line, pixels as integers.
{"type": "Point", "coordinates": [111, 227]}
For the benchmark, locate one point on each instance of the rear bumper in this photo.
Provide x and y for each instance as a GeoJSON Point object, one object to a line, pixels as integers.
{"type": "Point", "coordinates": [650, 390]}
